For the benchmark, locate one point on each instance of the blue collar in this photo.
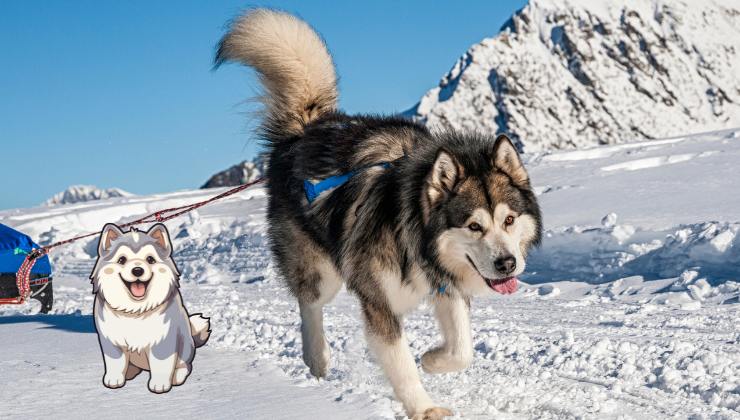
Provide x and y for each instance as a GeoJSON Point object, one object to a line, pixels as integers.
{"type": "Point", "coordinates": [313, 189]}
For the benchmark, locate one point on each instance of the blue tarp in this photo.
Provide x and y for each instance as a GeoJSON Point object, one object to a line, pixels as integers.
{"type": "Point", "coordinates": [12, 243]}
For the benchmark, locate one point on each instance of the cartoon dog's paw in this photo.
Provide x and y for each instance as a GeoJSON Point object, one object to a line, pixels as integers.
{"type": "Point", "coordinates": [440, 361]}
{"type": "Point", "coordinates": [159, 385]}
{"type": "Point", "coordinates": [434, 413]}
{"type": "Point", "coordinates": [180, 375]}
{"type": "Point", "coordinates": [114, 380]}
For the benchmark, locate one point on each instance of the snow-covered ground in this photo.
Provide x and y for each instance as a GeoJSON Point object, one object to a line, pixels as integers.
{"type": "Point", "coordinates": [53, 370]}
{"type": "Point", "coordinates": [631, 311]}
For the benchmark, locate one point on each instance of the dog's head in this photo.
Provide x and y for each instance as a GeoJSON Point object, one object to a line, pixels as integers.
{"type": "Point", "coordinates": [480, 215]}
{"type": "Point", "coordinates": [134, 271]}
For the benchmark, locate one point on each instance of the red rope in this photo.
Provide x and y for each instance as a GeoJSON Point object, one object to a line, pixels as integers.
{"type": "Point", "coordinates": [23, 276]}
{"type": "Point", "coordinates": [160, 215]}
{"type": "Point", "coordinates": [22, 281]}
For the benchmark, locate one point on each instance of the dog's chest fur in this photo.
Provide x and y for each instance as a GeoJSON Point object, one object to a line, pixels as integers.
{"type": "Point", "coordinates": [137, 333]}
{"type": "Point", "coordinates": [405, 296]}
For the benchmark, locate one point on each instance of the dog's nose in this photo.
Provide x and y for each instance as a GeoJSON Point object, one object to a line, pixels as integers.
{"type": "Point", "coordinates": [505, 265]}
{"type": "Point", "coordinates": [137, 271]}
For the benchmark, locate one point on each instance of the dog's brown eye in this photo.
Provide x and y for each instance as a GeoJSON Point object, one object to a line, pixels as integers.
{"type": "Point", "coordinates": [475, 227]}
{"type": "Point", "coordinates": [122, 260]}
{"type": "Point", "coordinates": [150, 260]}
{"type": "Point", "coordinates": [509, 220]}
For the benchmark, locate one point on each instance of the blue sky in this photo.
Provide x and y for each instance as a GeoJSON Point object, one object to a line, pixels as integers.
{"type": "Point", "coordinates": [122, 94]}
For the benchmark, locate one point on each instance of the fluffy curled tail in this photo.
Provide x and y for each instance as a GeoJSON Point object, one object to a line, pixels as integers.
{"type": "Point", "coordinates": [200, 329]}
{"type": "Point", "coordinates": [294, 66]}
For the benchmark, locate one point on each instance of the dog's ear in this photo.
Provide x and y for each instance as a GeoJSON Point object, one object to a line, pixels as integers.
{"type": "Point", "coordinates": [162, 236]}
{"type": "Point", "coordinates": [110, 233]}
{"type": "Point", "coordinates": [442, 178]}
{"type": "Point", "coordinates": [506, 158]}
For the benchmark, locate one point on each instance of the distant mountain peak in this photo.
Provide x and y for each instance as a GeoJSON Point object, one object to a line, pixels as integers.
{"type": "Point", "coordinates": [82, 193]}
{"type": "Point", "coordinates": [241, 173]}
{"type": "Point", "coordinates": [577, 73]}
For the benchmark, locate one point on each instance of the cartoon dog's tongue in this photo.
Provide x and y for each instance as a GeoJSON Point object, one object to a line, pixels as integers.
{"type": "Point", "coordinates": [138, 289]}
{"type": "Point", "coordinates": [505, 286]}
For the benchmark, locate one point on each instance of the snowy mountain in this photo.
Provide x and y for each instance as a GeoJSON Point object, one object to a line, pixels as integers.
{"type": "Point", "coordinates": [82, 193]}
{"type": "Point", "coordinates": [238, 174]}
{"type": "Point", "coordinates": [577, 73]}
{"type": "Point", "coordinates": [630, 308]}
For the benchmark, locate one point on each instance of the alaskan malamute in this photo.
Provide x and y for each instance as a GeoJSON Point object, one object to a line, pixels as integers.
{"type": "Point", "coordinates": [394, 211]}
{"type": "Point", "coordinates": [141, 321]}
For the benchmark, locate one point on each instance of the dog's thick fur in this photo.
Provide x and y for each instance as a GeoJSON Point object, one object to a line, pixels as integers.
{"type": "Point", "coordinates": [139, 315]}
{"type": "Point", "coordinates": [454, 210]}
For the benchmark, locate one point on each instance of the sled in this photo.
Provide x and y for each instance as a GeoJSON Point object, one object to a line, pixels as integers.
{"type": "Point", "coordinates": [15, 248]}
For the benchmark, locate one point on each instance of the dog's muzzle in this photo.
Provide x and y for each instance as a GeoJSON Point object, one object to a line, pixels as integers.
{"type": "Point", "coordinates": [505, 286]}
{"type": "Point", "coordinates": [136, 288]}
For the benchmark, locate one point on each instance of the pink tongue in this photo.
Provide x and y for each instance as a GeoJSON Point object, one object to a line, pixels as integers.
{"type": "Point", "coordinates": [138, 289]}
{"type": "Point", "coordinates": [506, 287]}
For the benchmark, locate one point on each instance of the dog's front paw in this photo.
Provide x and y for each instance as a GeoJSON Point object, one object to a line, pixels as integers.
{"type": "Point", "coordinates": [434, 413]}
{"type": "Point", "coordinates": [114, 380]}
{"type": "Point", "coordinates": [440, 361]}
{"type": "Point", "coordinates": [159, 385]}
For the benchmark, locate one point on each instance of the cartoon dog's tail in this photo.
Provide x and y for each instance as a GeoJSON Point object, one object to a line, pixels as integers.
{"type": "Point", "coordinates": [200, 328]}
{"type": "Point", "coordinates": [294, 65]}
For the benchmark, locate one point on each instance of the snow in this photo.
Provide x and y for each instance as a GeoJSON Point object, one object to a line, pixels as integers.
{"type": "Point", "coordinates": [82, 193]}
{"type": "Point", "coordinates": [630, 309]}
{"type": "Point", "coordinates": [577, 73]}
{"type": "Point", "coordinates": [66, 382]}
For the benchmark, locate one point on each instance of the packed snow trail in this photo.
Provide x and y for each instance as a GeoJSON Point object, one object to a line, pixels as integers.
{"type": "Point", "coordinates": [632, 311]}
{"type": "Point", "coordinates": [52, 366]}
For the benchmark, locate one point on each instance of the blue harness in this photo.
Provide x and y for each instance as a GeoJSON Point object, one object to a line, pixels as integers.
{"type": "Point", "coordinates": [313, 189]}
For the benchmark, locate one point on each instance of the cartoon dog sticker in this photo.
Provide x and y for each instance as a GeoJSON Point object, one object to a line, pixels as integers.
{"type": "Point", "coordinates": [139, 315]}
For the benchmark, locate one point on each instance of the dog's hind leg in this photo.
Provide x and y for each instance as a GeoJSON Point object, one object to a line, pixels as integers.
{"type": "Point", "coordinates": [314, 281]}
{"type": "Point", "coordinates": [132, 371]}
{"type": "Point", "coordinates": [316, 352]}
{"type": "Point", "coordinates": [182, 371]}
{"type": "Point", "coordinates": [184, 364]}
{"type": "Point", "coordinates": [456, 352]}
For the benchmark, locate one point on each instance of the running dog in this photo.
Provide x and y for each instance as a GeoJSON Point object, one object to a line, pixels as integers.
{"type": "Point", "coordinates": [139, 316]}
{"type": "Point", "coordinates": [394, 211]}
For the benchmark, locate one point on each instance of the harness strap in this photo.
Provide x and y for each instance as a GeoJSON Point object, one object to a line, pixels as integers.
{"type": "Point", "coordinates": [315, 188]}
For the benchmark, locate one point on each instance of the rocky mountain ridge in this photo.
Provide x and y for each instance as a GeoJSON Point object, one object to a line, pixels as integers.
{"type": "Point", "coordinates": [578, 73]}
{"type": "Point", "coordinates": [82, 193]}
